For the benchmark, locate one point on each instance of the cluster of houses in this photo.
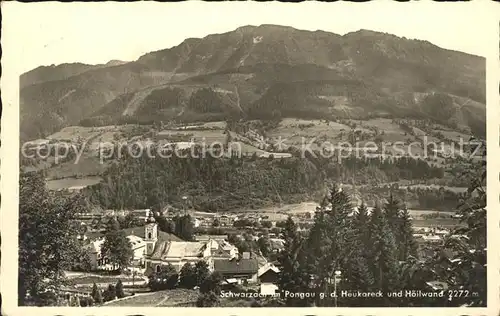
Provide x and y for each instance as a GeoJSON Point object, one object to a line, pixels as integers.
{"type": "Point", "coordinates": [153, 249]}
{"type": "Point", "coordinates": [430, 234]}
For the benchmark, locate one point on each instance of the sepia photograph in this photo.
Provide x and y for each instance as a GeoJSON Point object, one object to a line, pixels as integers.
{"type": "Point", "coordinates": [240, 155]}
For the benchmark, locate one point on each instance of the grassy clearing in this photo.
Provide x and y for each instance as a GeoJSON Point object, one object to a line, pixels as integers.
{"type": "Point", "coordinates": [141, 300]}
{"type": "Point", "coordinates": [280, 213]}
{"type": "Point", "coordinates": [160, 298]}
{"type": "Point", "coordinates": [437, 222]}
{"type": "Point", "coordinates": [419, 214]}
{"type": "Point", "coordinates": [454, 136]}
{"type": "Point", "coordinates": [90, 279]}
{"type": "Point", "coordinates": [294, 130]}
{"type": "Point", "coordinates": [72, 183]}
{"type": "Point", "coordinates": [101, 133]}
{"type": "Point", "coordinates": [208, 136]}
{"type": "Point", "coordinates": [88, 165]}
{"type": "Point", "coordinates": [179, 296]}
{"type": "Point", "coordinates": [72, 133]}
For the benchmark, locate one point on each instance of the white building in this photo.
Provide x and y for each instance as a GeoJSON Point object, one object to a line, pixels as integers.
{"type": "Point", "coordinates": [178, 253]}
{"type": "Point", "coordinates": [97, 260]}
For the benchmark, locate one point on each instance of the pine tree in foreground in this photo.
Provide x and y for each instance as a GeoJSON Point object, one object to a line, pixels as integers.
{"type": "Point", "coordinates": [119, 289]}
{"type": "Point", "coordinates": [96, 295]}
{"type": "Point", "coordinates": [356, 274]}
{"type": "Point", "coordinates": [383, 257]}
{"type": "Point", "coordinates": [391, 212]}
{"type": "Point", "coordinates": [328, 243]}
{"type": "Point", "coordinates": [293, 276]}
{"type": "Point", "coordinates": [407, 246]}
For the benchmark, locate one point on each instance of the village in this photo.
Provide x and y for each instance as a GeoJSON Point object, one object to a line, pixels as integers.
{"type": "Point", "coordinates": [216, 241]}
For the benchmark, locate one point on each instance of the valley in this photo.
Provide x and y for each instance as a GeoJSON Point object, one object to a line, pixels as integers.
{"type": "Point", "coordinates": [263, 160]}
{"type": "Point", "coordinates": [262, 148]}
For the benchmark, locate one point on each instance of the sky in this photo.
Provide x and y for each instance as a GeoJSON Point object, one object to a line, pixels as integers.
{"type": "Point", "coordinates": [54, 33]}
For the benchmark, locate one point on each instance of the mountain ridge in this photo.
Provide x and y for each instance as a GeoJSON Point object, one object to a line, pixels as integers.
{"type": "Point", "coordinates": [252, 59]}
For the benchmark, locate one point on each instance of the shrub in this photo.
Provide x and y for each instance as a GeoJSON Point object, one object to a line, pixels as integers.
{"type": "Point", "coordinates": [166, 278]}
{"type": "Point", "coordinates": [119, 289]}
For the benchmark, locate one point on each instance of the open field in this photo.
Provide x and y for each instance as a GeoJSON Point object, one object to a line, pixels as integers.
{"type": "Point", "coordinates": [90, 279]}
{"type": "Point", "coordinates": [221, 125]}
{"type": "Point", "coordinates": [207, 136]}
{"type": "Point", "coordinates": [72, 133]}
{"type": "Point", "coordinates": [281, 213]}
{"type": "Point", "coordinates": [294, 131]}
{"type": "Point", "coordinates": [455, 136]}
{"type": "Point", "coordinates": [160, 298]}
{"type": "Point", "coordinates": [392, 132]}
{"type": "Point", "coordinates": [437, 222]}
{"type": "Point", "coordinates": [72, 183]}
{"type": "Point", "coordinates": [100, 133]}
{"type": "Point", "coordinates": [419, 214]}
{"type": "Point", "coordinates": [88, 165]}
{"type": "Point", "coordinates": [299, 132]}
{"type": "Point", "coordinates": [436, 187]}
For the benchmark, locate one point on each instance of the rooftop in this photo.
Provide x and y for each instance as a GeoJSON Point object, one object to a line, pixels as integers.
{"type": "Point", "coordinates": [236, 266]}
{"type": "Point", "coordinates": [177, 249]}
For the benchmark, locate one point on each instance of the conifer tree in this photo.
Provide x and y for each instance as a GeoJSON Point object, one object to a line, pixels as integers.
{"type": "Point", "coordinates": [391, 210]}
{"type": "Point", "coordinates": [119, 289]}
{"type": "Point", "coordinates": [357, 274]}
{"type": "Point", "coordinates": [110, 293]}
{"type": "Point", "coordinates": [293, 276]}
{"type": "Point", "coordinates": [383, 255]}
{"type": "Point", "coordinates": [328, 242]}
{"type": "Point", "coordinates": [96, 294]}
{"type": "Point", "coordinates": [361, 222]}
{"type": "Point", "coordinates": [407, 245]}
{"type": "Point", "coordinates": [94, 290]}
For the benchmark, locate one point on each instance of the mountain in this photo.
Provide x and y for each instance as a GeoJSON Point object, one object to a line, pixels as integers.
{"type": "Point", "coordinates": [60, 72]}
{"type": "Point", "coordinates": [264, 71]}
{"type": "Point", "coordinates": [52, 73]}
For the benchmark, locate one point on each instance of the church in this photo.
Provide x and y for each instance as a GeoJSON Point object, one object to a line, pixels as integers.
{"type": "Point", "coordinates": [177, 253]}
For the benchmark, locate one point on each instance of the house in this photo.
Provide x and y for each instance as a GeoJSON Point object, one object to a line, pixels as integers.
{"type": "Point", "coordinates": [437, 285]}
{"type": "Point", "coordinates": [268, 273]}
{"type": "Point", "coordinates": [276, 244]}
{"type": "Point", "coordinates": [268, 289]}
{"type": "Point", "coordinates": [441, 232]}
{"type": "Point", "coordinates": [141, 214]}
{"type": "Point", "coordinates": [139, 248]}
{"type": "Point", "coordinates": [243, 270]}
{"type": "Point", "coordinates": [432, 239]}
{"type": "Point", "coordinates": [222, 250]}
{"type": "Point", "coordinates": [97, 260]}
{"type": "Point", "coordinates": [208, 237]}
{"type": "Point", "coordinates": [230, 249]}
{"type": "Point", "coordinates": [275, 155]}
{"type": "Point", "coordinates": [197, 222]}
{"type": "Point", "coordinates": [224, 220]}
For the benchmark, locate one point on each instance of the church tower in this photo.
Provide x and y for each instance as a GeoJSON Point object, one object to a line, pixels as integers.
{"type": "Point", "coordinates": [150, 234]}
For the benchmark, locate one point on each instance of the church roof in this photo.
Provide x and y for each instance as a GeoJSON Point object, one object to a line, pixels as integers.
{"type": "Point", "coordinates": [177, 249]}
